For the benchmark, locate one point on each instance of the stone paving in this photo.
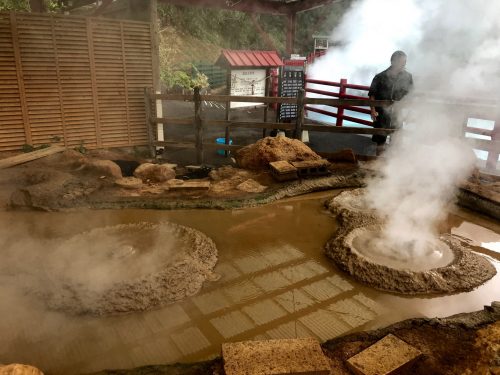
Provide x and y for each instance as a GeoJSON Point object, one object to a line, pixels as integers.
{"type": "Point", "coordinates": [279, 294]}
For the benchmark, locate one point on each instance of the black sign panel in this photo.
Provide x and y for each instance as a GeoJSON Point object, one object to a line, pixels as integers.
{"type": "Point", "coordinates": [292, 79]}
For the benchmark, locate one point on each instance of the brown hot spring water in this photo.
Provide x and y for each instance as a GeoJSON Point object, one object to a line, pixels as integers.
{"type": "Point", "coordinates": [275, 281]}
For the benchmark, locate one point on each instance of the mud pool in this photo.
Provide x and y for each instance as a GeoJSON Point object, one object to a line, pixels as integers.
{"type": "Point", "coordinates": [275, 283]}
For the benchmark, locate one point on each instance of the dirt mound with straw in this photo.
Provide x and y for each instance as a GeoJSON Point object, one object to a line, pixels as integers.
{"type": "Point", "coordinates": [269, 149]}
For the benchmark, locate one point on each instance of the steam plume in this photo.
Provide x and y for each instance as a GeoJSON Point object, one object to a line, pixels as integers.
{"type": "Point", "coordinates": [453, 49]}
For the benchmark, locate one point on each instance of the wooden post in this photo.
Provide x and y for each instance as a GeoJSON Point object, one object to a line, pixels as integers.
{"type": "Point", "coordinates": [267, 92]}
{"type": "Point", "coordinates": [20, 78]}
{"type": "Point", "coordinates": [124, 67]}
{"type": "Point", "coordinates": [290, 32]}
{"type": "Point", "coordinates": [59, 85]}
{"type": "Point", "coordinates": [228, 92]}
{"type": "Point", "coordinates": [93, 79]}
{"type": "Point", "coordinates": [38, 6]}
{"type": "Point", "coordinates": [491, 163]}
{"type": "Point", "coordinates": [300, 114]}
{"type": "Point", "coordinates": [340, 109]}
{"type": "Point", "coordinates": [198, 125]}
{"type": "Point", "coordinates": [228, 110]}
{"type": "Point", "coordinates": [149, 123]}
{"type": "Point", "coordinates": [227, 136]}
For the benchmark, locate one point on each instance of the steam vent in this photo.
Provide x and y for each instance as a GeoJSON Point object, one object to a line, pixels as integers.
{"type": "Point", "coordinates": [128, 267]}
{"type": "Point", "coordinates": [446, 266]}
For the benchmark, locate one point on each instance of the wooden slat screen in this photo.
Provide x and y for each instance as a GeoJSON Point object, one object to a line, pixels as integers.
{"type": "Point", "coordinates": [79, 79]}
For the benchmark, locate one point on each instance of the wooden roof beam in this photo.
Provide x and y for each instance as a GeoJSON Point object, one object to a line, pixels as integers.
{"type": "Point", "coordinates": [304, 6]}
{"type": "Point", "coordinates": [247, 6]}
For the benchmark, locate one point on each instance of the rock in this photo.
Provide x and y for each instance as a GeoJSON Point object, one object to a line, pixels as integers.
{"type": "Point", "coordinates": [251, 186]}
{"type": "Point", "coordinates": [20, 198]}
{"type": "Point", "coordinates": [189, 185]}
{"type": "Point", "coordinates": [154, 172]}
{"type": "Point", "coordinates": [270, 149]}
{"type": "Point", "coordinates": [129, 183]}
{"type": "Point", "coordinates": [384, 357]}
{"type": "Point", "coordinates": [284, 356]}
{"type": "Point", "coordinates": [343, 156]}
{"type": "Point", "coordinates": [73, 157]}
{"type": "Point", "coordinates": [37, 176]}
{"type": "Point", "coordinates": [227, 172]}
{"type": "Point", "coordinates": [17, 369]}
{"type": "Point", "coordinates": [107, 168]}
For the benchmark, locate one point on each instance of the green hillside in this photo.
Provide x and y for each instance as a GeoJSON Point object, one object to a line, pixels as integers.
{"type": "Point", "coordinates": [202, 31]}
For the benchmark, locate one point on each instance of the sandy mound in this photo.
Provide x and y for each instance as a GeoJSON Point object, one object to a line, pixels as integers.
{"type": "Point", "coordinates": [269, 149]}
{"type": "Point", "coordinates": [154, 172]}
{"type": "Point", "coordinates": [18, 369]}
{"type": "Point", "coordinates": [127, 267]}
{"type": "Point", "coordinates": [228, 180]}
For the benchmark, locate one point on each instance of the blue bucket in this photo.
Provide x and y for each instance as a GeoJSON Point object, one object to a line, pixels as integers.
{"type": "Point", "coordinates": [222, 141]}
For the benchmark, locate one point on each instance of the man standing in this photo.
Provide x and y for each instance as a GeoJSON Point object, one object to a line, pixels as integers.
{"type": "Point", "coordinates": [391, 84]}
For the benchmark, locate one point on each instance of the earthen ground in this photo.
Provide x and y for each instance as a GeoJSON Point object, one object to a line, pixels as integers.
{"type": "Point", "coordinates": [60, 182]}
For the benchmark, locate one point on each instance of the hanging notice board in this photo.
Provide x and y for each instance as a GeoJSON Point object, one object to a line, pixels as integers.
{"type": "Point", "coordinates": [248, 82]}
{"type": "Point", "coordinates": [292, 79]}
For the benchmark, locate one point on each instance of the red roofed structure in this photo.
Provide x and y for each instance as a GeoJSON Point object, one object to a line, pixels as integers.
{"type": "Point", "coordinates": [250, 73]}
{"type": "Point", "coordinates": [249, 59]}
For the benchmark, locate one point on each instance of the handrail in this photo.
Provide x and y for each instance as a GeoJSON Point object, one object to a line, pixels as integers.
{"type": "Point", "coordinates": [488, 108]}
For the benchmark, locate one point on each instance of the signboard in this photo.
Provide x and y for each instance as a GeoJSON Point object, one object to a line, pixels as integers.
{"type": "Point", "coordinates": [248, 82]}
{"type": "Point", "coordinates": [292, 79]}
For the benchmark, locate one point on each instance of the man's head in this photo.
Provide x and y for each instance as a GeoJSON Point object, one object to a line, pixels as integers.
{"type": "Point", "coordinates": [398, 61]}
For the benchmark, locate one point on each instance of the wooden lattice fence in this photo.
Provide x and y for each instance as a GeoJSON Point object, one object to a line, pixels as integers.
{"type": "Point", "coordinates": [73, 79]}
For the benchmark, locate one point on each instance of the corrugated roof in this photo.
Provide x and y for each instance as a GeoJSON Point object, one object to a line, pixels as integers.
{"type": "Point", "coordinates": [243, 58]}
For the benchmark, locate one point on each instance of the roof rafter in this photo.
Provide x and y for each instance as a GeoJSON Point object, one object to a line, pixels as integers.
{"type": "Point", "coordinates": [304, 6]}
{"type": "Point", "coordinates": [247, 6]}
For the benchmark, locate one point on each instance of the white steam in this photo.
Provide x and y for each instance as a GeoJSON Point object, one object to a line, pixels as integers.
{"type": "Point", "coordinates": [453, 49]}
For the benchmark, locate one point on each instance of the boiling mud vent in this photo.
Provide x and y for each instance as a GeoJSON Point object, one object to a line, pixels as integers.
{"type": "Point", "coordinates": [443, 265]}
{"type": "Point", "coordinates": [124, 268]}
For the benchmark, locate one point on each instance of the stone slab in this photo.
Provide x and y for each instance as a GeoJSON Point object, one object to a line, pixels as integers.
{"type": "Point", "coordinates": [264, 312]}
{"type": "Point", "coordinates": [310, 163]}
{"type": "Point", "coordinates": [283, 171]}
{"type": "Point", "coordinates": [232, 324]}
{"type": "Point", "coordinates": [282, 167]}
{"type": "Point", "coordinates": [322, 290]}
{"type": "Point", "coordinates": [324, 324]}
{"type": "Point", "coordinates": [384, 357]}
{"type": "Point", "coordinates": [189, 185]}
{"type": "Point", "coordinates": [190, 340]}
{"type": "Point", "coordinates": [211, 302]}
{"type": "Point", "coordinates": [294, 300]}
{"type": "Point", "coordinates": [275, 357]}
{"type": "Point", "coordinates": [129, 183]}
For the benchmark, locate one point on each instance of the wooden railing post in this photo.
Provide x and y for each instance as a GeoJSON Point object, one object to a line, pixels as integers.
{"type": "Point", "coordinates": [198, 125]}
{"type": "Point", "coordinates": [340, 109]}
{"type": "Point", "coordinates": [300, 114]}
{"type": "Point", "coordinates": [491, 163]}
{"type": "Point", "coordinates": [227, 137]}
{"type": "Point", "coordinates": [149, 121]}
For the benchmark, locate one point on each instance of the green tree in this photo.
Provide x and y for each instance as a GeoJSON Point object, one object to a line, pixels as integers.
{"type": "Point", "coordinates": [20, 5]}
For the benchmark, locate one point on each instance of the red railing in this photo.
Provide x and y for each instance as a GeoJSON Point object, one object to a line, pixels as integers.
{"type": "Point", "coordinates": [342, 86]}
{"type": "Point", "coordinates": [492, 146]}
{"type": "Point", "coordinates": [314, 55]}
